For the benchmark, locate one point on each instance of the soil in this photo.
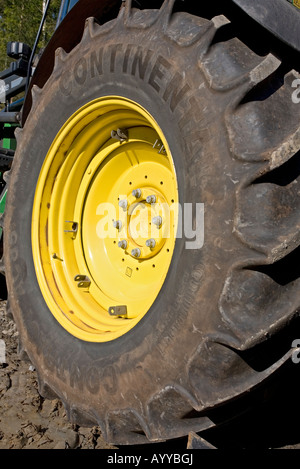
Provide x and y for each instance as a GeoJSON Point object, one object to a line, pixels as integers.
{"type": "Point", "coordinates": [27, 421]}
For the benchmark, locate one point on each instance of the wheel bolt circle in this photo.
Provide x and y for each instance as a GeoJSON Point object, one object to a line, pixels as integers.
{"type": "Point", "coordinates": [117, 224]}
{"type": "Point", "coordinates": [136, 252]}
{"type": "Point", "coordinates": [151, 199]}
{"type": "Point", "coordinates": [123, 244]}
{"type": "Point", "coordinates": [157, 221]}
{"type": "Point", "coordinates": [151, 243]}
{"type": "Point", "coordinates": [123, 204]}
{"type": "Point", "coordinates": [137, 193]}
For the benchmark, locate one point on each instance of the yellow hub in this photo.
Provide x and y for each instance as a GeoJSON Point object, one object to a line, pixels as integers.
{"type": "Point", "coordinates": [104, 219]}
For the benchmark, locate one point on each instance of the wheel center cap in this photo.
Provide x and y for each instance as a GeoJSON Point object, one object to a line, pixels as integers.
{"type": "Point", "coordinates": [147, 224]}
{"type": "Point", "coordinates": [139, 227]}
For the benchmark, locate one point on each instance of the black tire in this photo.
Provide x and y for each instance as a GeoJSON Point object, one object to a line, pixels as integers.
{"type": "Point", "coordinates": [201, 343]}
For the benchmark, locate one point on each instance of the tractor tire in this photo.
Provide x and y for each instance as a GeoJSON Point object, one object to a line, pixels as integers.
{"type": "Point", "coordinates": [211, 325]}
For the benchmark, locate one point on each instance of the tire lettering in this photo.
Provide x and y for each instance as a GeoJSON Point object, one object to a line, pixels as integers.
{"type": "Point", "coordinates": [133, 60]}
{"type": "Point", "coordinates": [110, 380]}
{"type": "Point", "coordinates": [114, 50]}
{"type": "Point", "coordinates": [126, 58]}
{"type": "Point", "coordinates": [158, 71]}
{"type": "Point", "coordinates": [80, 72]}
{"type": "Point", "coordinates": [91, 378]}
{"type": "Point", "coordinates": [176, 91]}
{"type": "Point", "coordinates": [76, 377]}
{"type": "Point", "coordinates": [96, 63]}
{"type": "Point", "coordinates": [141, 62]}
{"type": "Point", "coordinates": [65, 85]}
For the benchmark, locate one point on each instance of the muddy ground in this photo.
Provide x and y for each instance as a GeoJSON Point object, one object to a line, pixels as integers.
{"type": "Point", "coordinates": [27, 421]}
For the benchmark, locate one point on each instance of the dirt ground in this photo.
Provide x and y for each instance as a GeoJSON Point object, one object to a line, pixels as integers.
{"type": "Point", "coordinates": [27, 421]}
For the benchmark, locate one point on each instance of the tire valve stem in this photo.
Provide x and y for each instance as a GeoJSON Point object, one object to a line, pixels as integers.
{"type": "Point", "coordinates": [151, 199]}
{"type": "Point", "coordinates": [157, 221]}
{"type": "Point", "coordinates": [137, 193]}
{"type": "Point", "coordinates": [123, 244]}
{"type": "Point", "coordinates": [136, 253]}
{"type": "Point", "coordinates": [117, 224]}
{"type": "Point", "coordinates": [151, 243]}
{"type": "Point", "coordinates": [123, 204]}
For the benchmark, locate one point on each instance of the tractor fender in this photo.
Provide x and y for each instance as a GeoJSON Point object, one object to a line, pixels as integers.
{"type": "Point", "coordinates": [67, 36]}
{"type": "Point", "coordinates": [279, 17]}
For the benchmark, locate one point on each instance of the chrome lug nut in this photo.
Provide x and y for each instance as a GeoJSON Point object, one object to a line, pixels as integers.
{"type": "Point", "coordinates": [123, 244]}
{"type": "Point", "coordinates": [136, 252]}
{"type": "Point", "coordinates": [137, 193]}
{"type": "Point", "coordinates": [151, 243]}
{"type": "Point", "coordinates": [123, 204]}
{"type": "Point", "coordinates": [157, 221]}
{"type": "Point", "coordinates": [151, 199]}
{"type": "Point", "coordinates": [117, 224]}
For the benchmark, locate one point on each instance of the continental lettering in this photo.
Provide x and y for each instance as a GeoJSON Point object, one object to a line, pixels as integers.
{"type": "Point", "coordinates": [80, 72]}
{"type": "Point", "coordinates": [126, 58]}
{"type": "Point", "coordinates": [141, 62]}
{"type": "Point", "coordinates": [92, 378]}
{"type": "Point", "coordinates": [131, 59]}
{"type": "Point", "coordinates": [110, 379]}
{"type": "Point", "coordinates": [176, 91]}
{"type": "Point", "coordinates": [113, 55]}
{"type": "Point", "coordinates": [97, 63]}
{"type": "Point", "coordinates": [159, 70]}
{"type": "Point", "coordinates": [76, 380]}
{"type": "Point", "coordinates": [65, 85]}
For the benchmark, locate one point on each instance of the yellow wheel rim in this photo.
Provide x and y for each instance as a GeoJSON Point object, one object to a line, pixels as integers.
{"type": "Point", "coordinates": [104, 219]}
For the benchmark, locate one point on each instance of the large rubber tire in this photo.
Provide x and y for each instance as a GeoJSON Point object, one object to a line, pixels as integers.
{"type": "Point", "coordinates": [208, 337]}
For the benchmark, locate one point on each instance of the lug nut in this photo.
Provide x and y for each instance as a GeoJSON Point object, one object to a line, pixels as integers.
{"type": "Point", "coordinates": [151, 243]}
{"type": "Point", "coordinates": [137, 193]}
{"type": "Point", "coordinates": [151, 199]}
{"type": "Point", "coordinates": [157, 221]}
{"type": "Point", "coordinates": [123, 204]}
{"type": "Point", "coordinates": [117, 224]}
{"type": "Point", "coordinates": [123, 244]}
{"type": "Point", "coordinates": [136, 252]}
